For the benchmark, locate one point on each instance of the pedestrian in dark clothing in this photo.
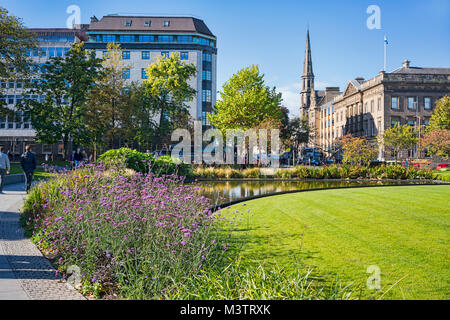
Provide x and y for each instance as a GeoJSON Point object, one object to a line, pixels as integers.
{"type": "Point", "coordinates": [28, 164]}
{"type": "Point", "coordinates": [78, 158]}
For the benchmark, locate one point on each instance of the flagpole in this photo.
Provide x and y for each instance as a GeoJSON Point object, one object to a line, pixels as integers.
{"type": "Point", "coordinates": [385, 45]}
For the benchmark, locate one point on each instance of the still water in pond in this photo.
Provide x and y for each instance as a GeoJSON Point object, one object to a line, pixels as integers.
{"type": "Point", "coordinates": [226, 191]}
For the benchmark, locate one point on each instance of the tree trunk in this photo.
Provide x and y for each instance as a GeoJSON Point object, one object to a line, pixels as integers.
{"type": "Point", "coordinates": [66, 152]}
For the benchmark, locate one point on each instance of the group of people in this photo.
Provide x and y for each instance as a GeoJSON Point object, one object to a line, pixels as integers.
{"type": "Point", "coordinates": [27, 162]}
{"type": "Point", "coordinates": [80, 157]}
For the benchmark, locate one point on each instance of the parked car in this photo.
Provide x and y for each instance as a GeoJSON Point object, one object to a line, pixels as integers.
{"type": "Point", "coordinates": [443, 166]}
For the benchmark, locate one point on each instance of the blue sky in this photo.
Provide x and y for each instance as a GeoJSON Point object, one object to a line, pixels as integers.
{"type": "Point", "coordinates": [272, 34]}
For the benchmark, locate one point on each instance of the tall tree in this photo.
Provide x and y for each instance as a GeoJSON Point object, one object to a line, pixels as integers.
{"type": "Point", "coordinates": [15, 45]}
{"type": "Point", "coordinates": [357, 150]}
{"type": "Point", "coordinates": [246, 102]}
{"type": "Point", "coordinates": [65, 84]}
{"type": "Point", "coordinates": [398, 138]}
{"type": "Point", "coordinates": [107, 101]}
{"type": "Point", "coordinates": [168, 86]}
{"type": "Point", "coordinates": [441, 115]}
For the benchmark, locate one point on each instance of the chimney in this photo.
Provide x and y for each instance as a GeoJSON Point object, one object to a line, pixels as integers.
{"type": "Point", "coordinates": [94, 19]}
{"type": "Point", "coordinates": [406, 64]}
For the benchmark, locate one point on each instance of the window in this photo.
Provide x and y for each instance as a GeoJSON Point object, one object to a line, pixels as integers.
{"type": "Point", "coordinates": [203, 41]}
{"type": "Point", "coordinates": [165, 54]}
{"type": "Point", "coordinates": [145, 55]}
{"type": "Point", "coordinates": [66, 51]}
{"type": "Point", "coordinates": [125, 55]}
{"type": "Point", "coordinates": [127, 23]}
{"type": "Point", "coordinates": [59, 52]}
{"type": "Point", "coordinates": [126, 38]}
{"type": "Point", "coordinates": [394, 102]}
{"type": "Point", "coordinates": [109, 38]}
{"type": "Point", "coordinates": [144, 74]}
{"type": "Point", "coordinates": [372, 104]}
{"type": "Point", "coordinates": [146, 39]}
{"type": "Point", "coordinates": [184, 55]}
{"type": "Point", "coordinates": [147, 23]}
{"type": "Point", "coordinates": [166, 23]}
{"type": "Point", "coordinates": [411, 123]}
{"type": "Point", "coordinates": [379, 104]}
{"type": "Point", "coordinates": [51, 52]}
{"type": "Point", "coordinates": [207, 57]}
{"type": "Point", "coordinates": [10, 100]}
{"type": "Point", "coordinates": [165, 39]}
{"type": "Point", "coordinates": [427, 103]}
{"type": "Point", "coordinates": [206, 95]}
{"type": "Point", "coordinates": [206, 75]}
{"type": "Point", "coordinates": [35, 52]}
{"type": "Point", "coordinates": [185, 39]}
{"type": "Point", "coordinates": [43, 52]}
{"type": "Point", "coordinates": [126, 74]}
{"type": "Point", "coordinates": [411, 103]}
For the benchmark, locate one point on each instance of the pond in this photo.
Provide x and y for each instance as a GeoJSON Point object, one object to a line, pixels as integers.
{"type": "Point", "coordinates": [226, 191]}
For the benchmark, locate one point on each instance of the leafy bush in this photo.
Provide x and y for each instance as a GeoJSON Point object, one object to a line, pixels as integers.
{"type": "Point", "coordinates": [146, 162]}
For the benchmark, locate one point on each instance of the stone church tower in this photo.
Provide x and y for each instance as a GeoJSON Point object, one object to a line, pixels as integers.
{"type": "Point", "coordinates": [307, 95]}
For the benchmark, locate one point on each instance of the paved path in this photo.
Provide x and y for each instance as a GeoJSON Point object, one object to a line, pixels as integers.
{"type": "Point", "coordinates": [24, 272]}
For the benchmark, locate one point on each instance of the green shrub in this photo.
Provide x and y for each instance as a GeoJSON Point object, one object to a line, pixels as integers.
{"type": "Point", "coordinates": [146, 162]}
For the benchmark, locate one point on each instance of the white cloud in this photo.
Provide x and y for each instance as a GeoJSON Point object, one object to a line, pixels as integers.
{"type": "Point", "coordinates": [291, 98]}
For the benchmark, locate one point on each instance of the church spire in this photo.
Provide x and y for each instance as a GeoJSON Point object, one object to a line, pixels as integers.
{"type": "Point", "coordinates": [308, 93]}
{"type": "Point", "coordinates": [307, 65]}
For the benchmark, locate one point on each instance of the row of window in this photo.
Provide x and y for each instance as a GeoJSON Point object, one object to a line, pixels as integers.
{"type": "Point", "coordinates": [147, 23]}
{"type": "Point", "coordinates": [411, 103]}
{"type": "Point", "coordinates": [19, 120]}
{"type": "Point", "coordinates": [55, 39]}
{"type": "Point", "coordinates": [48, 52]}
{"type": "Point", "coordinates": [130, 38]}
{"type": "Point", "coordinates": [145, 55]}
{"type": "Point", "coordinates": [410, 122]}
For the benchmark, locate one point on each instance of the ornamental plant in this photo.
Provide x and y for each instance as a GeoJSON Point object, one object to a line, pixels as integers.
{"type": "Point", "coordinates": [130, 234]}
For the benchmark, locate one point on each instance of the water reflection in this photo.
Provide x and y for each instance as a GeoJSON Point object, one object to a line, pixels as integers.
{"type": "Point", "coordinates": [227, 191]}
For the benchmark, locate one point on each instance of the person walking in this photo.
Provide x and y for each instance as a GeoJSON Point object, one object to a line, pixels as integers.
{"type": "Point", "coordinates": [5, 167]}
{"type": "Point", "coordinates": [28, 164]}
{"type": "Point", "coordinates": [78, 158]}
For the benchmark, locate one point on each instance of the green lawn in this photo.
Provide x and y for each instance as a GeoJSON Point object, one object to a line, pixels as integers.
{"type": "Point", "coordinates": [405, 231]}
{"type": "Point", "coordinates": [38, 173]}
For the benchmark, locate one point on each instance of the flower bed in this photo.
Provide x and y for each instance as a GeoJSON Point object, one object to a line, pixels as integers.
{"type": "Point", "coordinates": [130, 234]}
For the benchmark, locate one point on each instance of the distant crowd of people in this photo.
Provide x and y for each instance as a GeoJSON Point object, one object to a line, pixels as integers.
{"type": "Point", "coordinates": [80, 157]}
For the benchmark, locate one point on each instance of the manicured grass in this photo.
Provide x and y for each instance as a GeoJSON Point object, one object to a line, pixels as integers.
{"type": "Point", "coordinates": [405, 231]}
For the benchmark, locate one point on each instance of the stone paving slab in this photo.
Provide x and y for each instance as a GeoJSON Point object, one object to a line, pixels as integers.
{"type": "Point", "coordinates": [24, 272]}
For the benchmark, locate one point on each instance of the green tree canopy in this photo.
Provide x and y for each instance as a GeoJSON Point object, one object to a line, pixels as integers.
{"type": "Point", "coordinates": [441, 115]}
{"type": "Point", "coordinates": [65, 85]}
{"type": "Point", "coordinates": [167, 85]}
{"type": "Point", "coordinates": [357, 150]}
{"type": "Point", "coordinates": [399, 138]}
{"type": "Point", "coordinates": [246, 102]}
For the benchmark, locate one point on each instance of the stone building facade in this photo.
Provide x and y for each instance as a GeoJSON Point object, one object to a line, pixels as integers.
{"type": "Point", "coordinates": [406, 95]}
